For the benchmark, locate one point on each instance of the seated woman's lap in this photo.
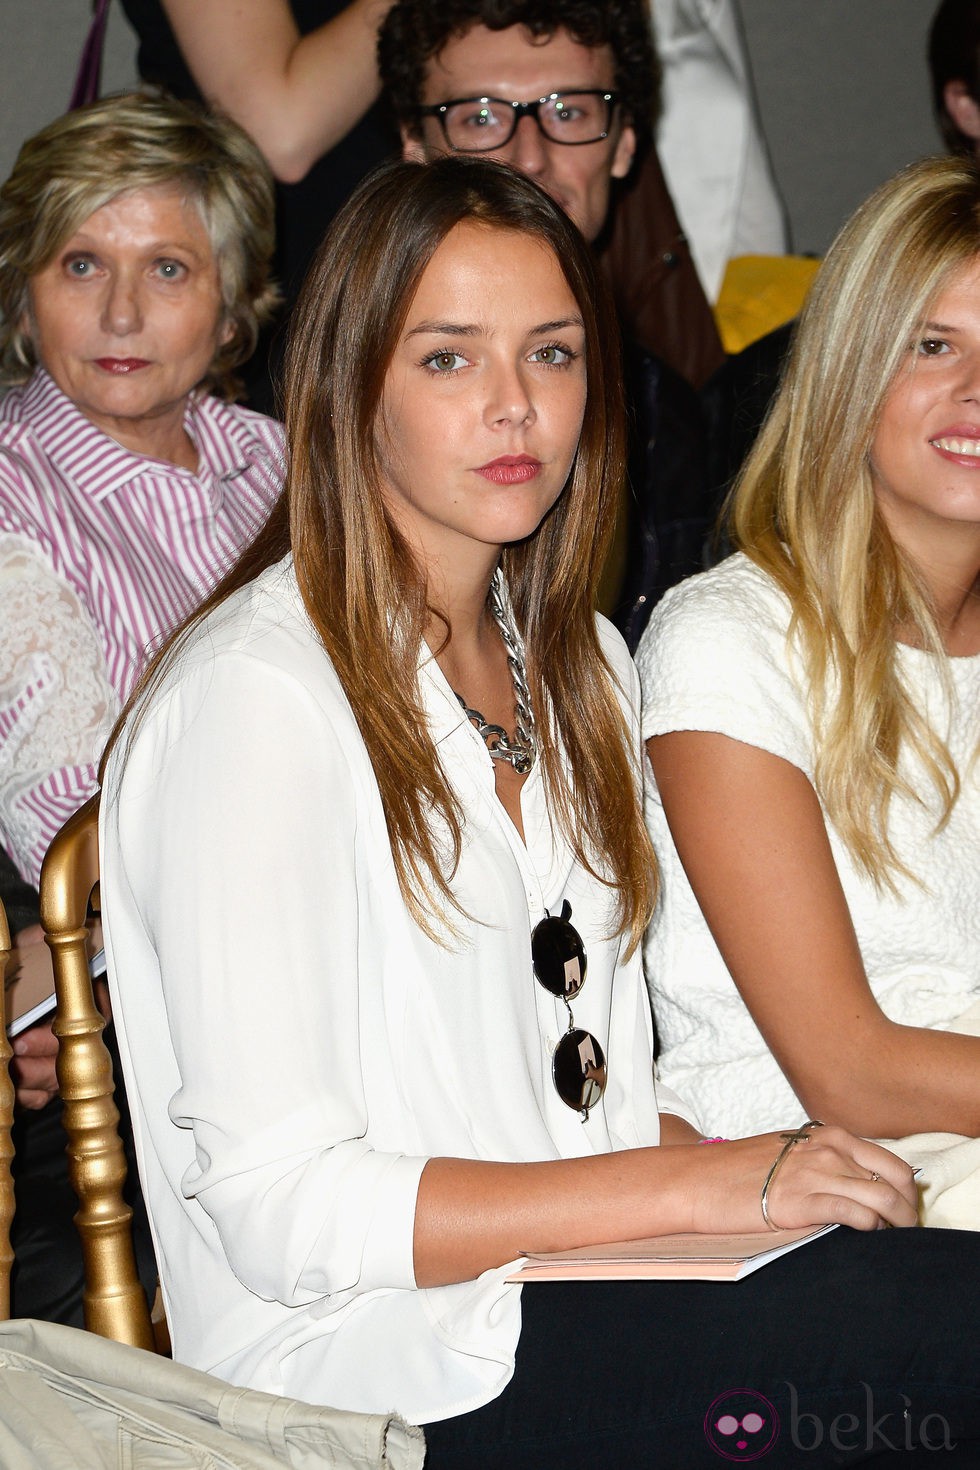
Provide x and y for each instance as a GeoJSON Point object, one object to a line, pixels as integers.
{"type": "Point", "coordinates": [841, 1337]}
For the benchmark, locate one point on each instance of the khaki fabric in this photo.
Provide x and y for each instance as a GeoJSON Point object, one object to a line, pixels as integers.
{"type": "Point", "coordinates": [70, 1400]}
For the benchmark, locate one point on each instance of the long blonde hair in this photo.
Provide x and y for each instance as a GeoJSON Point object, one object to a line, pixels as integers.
{"type": "Point", "coordinates": [805, 511]}
{"type": "Point", "coordinates": [364, 591]}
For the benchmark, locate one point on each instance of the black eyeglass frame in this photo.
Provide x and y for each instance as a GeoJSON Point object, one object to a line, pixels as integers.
{"type": "Point", "coordinates": [525, 109]}
{"type": "Point", "coordinates": [567, 1070]}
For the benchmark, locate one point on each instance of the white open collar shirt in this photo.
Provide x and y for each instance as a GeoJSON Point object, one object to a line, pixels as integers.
{"type": "Point", "coordinates": [295, 1046]}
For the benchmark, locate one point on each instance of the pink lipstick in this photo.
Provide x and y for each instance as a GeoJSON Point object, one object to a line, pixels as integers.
{"type": "Point", "coordinates": [510, 469]}
{"type": "Point", "coordinates": [121, 365]}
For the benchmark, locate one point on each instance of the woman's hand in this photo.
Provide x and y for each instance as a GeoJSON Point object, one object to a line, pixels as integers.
{"type": "Point", "coordinates": [33, 1066]}
{"type": "Point", "coordinates": [829, 1177]}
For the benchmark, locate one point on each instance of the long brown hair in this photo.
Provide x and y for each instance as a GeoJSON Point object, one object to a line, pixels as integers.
{"type": "Point", "coordinates": [363, 590]}
{"type": "Point", "coordinates": [805, 507]}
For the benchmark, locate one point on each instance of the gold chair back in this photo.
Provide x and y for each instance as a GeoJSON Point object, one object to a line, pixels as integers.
{"type": "Point", "coordinates": [6, 1123]}
{"type": "Point", "coordinates": [114, 1303]}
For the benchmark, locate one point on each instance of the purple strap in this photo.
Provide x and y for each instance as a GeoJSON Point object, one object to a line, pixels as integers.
{"type": "Point", "coordinates": [89, 75]}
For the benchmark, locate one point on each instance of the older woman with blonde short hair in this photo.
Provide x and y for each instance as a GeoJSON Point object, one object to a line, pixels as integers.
{"type": "Point", "coordinates": [135, 240]}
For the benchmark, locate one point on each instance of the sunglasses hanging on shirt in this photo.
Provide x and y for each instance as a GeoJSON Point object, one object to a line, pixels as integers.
{"type": "Point", "coordinates": [578, 1066]}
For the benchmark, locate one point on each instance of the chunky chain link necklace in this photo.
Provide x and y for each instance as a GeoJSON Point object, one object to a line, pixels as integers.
{"type": "Point", "coordinates": [522, 751]}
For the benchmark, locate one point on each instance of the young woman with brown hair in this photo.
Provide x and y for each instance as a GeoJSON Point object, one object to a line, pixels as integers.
{"type": "Point", "coordinates": [403, 722]}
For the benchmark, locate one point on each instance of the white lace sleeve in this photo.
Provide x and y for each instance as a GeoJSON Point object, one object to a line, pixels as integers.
{"type": "Point", "coordinates": [56, 703]}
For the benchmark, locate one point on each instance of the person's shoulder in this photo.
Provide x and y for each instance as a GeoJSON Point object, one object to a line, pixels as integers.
{"type": "Point", "coordinates": [24, 472]}
{"type": "Point", "coordinates": [15, 428]}
{"type": "Point", "coordinates": [733, 580]}
{"type": "Point", "coordinates": [733, 597]}
{"type": "Point", "coordinates": [258, 646]}
{"type": "Point", "coordinates": [613, 645]}
{"type": "Point", "coordinates": [268, 430]}
{"type": "Point", "coordinates": [251, 676]}
{"type": "Point", "coordinates": [234, 440]}
{"type": "Point", "coordinates": [715, 626]}
{"type": "Point", "coordinates": [264, 621]}
{"type": "Point", "coordinates": [244, 422]}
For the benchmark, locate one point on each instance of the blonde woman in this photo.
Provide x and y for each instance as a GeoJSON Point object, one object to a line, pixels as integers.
{"type": "Point", "coordinates": [812, 711]}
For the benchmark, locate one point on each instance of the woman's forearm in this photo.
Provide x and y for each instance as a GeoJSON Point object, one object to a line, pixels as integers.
{"type": "Point", "coordinates": [472, 1216]}
{"type": "Point", "coordinates": [297, 96]}
{"type": "Point", "coordinates": [892, 1080]}
{"type": "Point", "coordinates": [751, 836]}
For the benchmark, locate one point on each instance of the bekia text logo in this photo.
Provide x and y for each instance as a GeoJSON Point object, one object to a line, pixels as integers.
{"type": "Point", "coordinates": [741, 1425]}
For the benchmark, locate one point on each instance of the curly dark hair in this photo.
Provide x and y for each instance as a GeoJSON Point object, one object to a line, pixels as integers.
{"type": "Point", "coordinates": [416, 30]}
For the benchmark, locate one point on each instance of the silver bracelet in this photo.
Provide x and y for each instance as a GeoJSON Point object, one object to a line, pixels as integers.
{"type": "Point", "coordinates": [800, 1136]}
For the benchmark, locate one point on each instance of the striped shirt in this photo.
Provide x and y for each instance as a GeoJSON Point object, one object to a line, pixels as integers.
{"type": "Point", "coordinates": [102, 553]}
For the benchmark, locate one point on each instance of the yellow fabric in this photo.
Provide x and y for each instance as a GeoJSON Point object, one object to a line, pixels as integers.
{"type": "Point", "coordinates": [760, 293]}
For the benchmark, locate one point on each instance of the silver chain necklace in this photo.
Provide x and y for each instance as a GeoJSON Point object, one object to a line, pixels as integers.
{"type": "Point", "coordinates": [522, 751]}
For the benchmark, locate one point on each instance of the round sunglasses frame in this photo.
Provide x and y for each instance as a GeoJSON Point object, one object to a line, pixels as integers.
{"type": "Point", "coordinates": [578, 1064]}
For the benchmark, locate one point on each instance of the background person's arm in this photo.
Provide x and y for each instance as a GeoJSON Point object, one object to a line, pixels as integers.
{"type": "Point", "coordinates": [297, 96]}
{"type": "Point", "coordinates": [55, 699]}
{"type": "Point", "coordinates": [750, 834]}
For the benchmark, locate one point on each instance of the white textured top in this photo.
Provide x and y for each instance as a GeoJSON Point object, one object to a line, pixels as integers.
{"type": "Point", "coordinates": [296, 1048]}
{"type": "Point", "coordinates": [714, 657]}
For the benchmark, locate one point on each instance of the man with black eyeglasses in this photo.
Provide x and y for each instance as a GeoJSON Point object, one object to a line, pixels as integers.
{"type": "Point", "coordinates": [496, 91]}
{"type": "Point", "coordinates": [565, 90]}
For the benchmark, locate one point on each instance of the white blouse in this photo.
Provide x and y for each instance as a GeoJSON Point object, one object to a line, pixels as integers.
{"type": "Point", "coordinates": [296, 1048]}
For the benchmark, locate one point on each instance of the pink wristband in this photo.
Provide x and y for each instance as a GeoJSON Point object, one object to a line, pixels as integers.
{"type": "Point", "coordinates": [714, 1140]}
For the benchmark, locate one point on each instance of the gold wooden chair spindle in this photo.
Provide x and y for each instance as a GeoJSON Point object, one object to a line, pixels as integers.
{"type": "Point", "coordinates": [6, 1123]}
{"type": "Point", "coordinates": [114, 1303]}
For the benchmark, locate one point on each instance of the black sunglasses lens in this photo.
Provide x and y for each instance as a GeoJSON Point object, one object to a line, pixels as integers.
{"type": "Point", "coordinates": [558, 956]}
{"type": "Point", "coordinates": [579, 1070]}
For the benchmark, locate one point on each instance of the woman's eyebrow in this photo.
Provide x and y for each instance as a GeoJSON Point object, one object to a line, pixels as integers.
{"type": "Point", "coordinates": [558, 326]}
{"type": "Point", "coordinates": [445, 329]}
{"type": "Point", "coordinates": [472, 329]}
